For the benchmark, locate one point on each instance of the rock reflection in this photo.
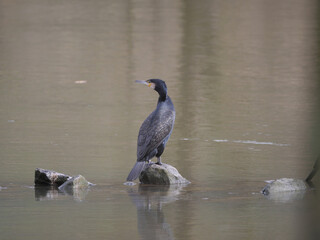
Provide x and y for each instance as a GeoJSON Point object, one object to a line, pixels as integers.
{"type": "Point", "coordinates": [150, 217]}
{"type": "Point", "coordinates": [43, 193]}
{"type": "Point", "coordinates": [286, 197]}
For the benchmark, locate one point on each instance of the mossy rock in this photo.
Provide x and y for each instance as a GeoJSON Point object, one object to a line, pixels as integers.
{"type": "Point", "coordinates": [76, 182]}
{"type": "Point", "coordinates": [284, 185]}
{"type": "Point", "coordinates": [164, 174]}
{"type": "Point", "coordinates": [49, 177]}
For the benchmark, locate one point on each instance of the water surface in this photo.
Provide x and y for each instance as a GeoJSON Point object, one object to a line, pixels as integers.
{"type": "Point", "coordinates": [242, 76]}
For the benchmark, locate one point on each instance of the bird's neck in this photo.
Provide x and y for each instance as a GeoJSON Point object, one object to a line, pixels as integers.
{"type": "Point", "coordinates": [162, 95]}
{"type": "Point", "coordinates": [162, 98]}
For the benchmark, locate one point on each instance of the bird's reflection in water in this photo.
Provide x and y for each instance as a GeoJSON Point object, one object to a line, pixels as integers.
{"type": "Point", "coordinates": [43, 193]}
{"type": "Point", "coordinates": [312, 212]}
{"type": "Point", "coordinates": [149, 201]}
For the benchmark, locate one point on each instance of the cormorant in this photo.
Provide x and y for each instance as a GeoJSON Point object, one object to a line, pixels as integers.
{"type": "Point", "coordinates": [155, 130]}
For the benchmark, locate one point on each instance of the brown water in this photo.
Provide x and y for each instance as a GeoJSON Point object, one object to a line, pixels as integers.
{"type": "Point", "coordinates": [242, 76]}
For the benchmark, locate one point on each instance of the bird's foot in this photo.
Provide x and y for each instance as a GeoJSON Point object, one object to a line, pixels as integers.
{"type": "Point", "coordinates": [150, 163]}
{"type": "Point", "coordinates": [159, 161]}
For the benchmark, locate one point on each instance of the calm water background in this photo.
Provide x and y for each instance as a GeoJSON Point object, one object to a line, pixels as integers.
{"type": "Point", "coordinates": [243, 78]}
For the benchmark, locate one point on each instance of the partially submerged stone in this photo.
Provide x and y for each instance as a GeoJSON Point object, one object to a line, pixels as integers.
{"type": "Point", "coordinates": [77, 186]}
{"type": "Point", "coordinates": [164, 174]}
{"type": "Point", "coordinates": [49, 177]}
{"type": "Point", "coordinates": [50, 185]}
{"type": "Point", "coordinates": [284, 185]}
{"type": "Point", "coordinates": [76, 182]}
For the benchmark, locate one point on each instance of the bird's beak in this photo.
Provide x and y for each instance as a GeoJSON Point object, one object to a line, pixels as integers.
{"type": "Point", "coordinates": [151, 85]}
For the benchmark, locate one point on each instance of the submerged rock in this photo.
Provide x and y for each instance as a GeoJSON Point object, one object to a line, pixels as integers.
{"type": "Point", "coordinates": [284, 185]}
{"type": "Point", "coordinates": [50, 185]}
{"type": "Point", "coordinates": [77, 186]}
{"type": "Point", "coordinates": [164, 174]}
{"type": "Point", "coordinates": [76, 182]}
{"type": "Point", "coordinates": [49, 177]}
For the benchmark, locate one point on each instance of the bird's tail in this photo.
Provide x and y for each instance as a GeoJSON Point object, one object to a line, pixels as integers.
{"type": "Point", "coordinates": [315, 169]}
{"type": "Point", "coordinates": [136, 170]}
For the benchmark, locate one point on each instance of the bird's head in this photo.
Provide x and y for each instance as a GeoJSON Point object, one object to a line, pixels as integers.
{"type": "Point", "coordinates": [156, 84]}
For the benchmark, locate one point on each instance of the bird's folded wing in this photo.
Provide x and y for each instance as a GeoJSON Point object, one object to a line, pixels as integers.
{"type": "Point", "coordinates": [152, 133]}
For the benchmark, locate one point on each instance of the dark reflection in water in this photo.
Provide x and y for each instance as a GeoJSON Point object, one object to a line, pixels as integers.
{"type": "Point", "coordinates": [149, 201]}
{"type": "Point", "coordinates": [42, 193]}
{"type": "Point", "coordinates": [286, 197]}
{"type": "Point", "coordinates": [46, 193]}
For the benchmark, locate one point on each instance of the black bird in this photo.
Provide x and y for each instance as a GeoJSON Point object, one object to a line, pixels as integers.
{"type": "Point", "coordinates": [155, 130]}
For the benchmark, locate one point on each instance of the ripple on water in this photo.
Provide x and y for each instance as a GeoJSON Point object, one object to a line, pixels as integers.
{"type": "Point", "coordinates": [129, 183]}
{"type": "Point", "coordinates": [242, 141]}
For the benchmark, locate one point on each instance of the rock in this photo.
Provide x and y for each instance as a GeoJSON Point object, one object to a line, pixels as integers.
{"type": "Point", "coordinates": [284, 185]}
{"type": "Point", "coordinates": [161, 175]}
{"type": "Point", "coordinates": [77, 182]}
{"type": "Point", "coordinates": [50, 185]}
{"type": "Point", "coordinates": [77, 186]}
{"type": "Point", "coordinates": [48, 177]}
